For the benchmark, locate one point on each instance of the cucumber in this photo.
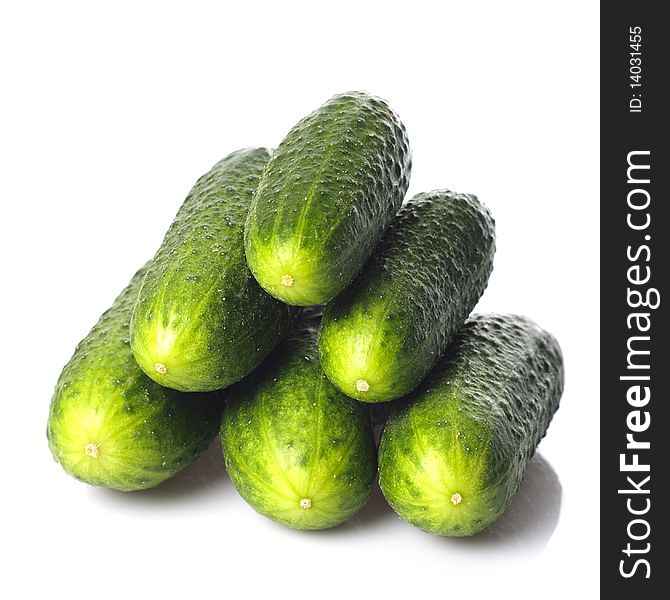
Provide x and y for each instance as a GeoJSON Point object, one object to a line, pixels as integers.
{"type": "Point", "coordinates": [298, 451]}
{"type": "Point", "coordinates": [329, 191]}
{"type": "Point", "coordinates": [453, 456]}
{"type": "Point", "coordinates": [110, 425]}
{"type": "Point", "coordinates": [386, 331]}
{"type": "Point", "coordinates": [201, 321]}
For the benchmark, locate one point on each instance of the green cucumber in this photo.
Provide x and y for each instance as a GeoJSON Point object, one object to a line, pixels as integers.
{"type": "Point", "coordinates": [201, 321]}
{"type": "Point", "coordinates": [386, 331]}
{"type": "Point", "coordinates": [453, 456]}
{"type": "Point", "coordinates": [298, 451]}
{"type": "Point", "coordinates": [326, 197]}
{"type": "Point", "coordinates": [110, 425]}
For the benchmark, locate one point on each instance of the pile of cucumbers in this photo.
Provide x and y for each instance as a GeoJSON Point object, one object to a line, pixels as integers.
{"type": "Point", "coordinates": [294, 292]}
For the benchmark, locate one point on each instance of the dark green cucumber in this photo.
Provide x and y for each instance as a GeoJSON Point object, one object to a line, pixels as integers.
{"type": "Point", "coordinates": [112, 426]}
{"type": "Point", "coordinates": [386, 331]}
{"type": "Point", "coordinates": [452, 457]}
{"type": "Point", "coordinates": [329, 191]}
{"type": "Point", "coordinates": [201, 321]}
{"type": "Point", "coordinates": [298, 451]}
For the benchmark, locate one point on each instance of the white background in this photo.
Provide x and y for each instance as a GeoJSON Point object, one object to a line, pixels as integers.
{"type": "Point", "coordinates": [109, 113]}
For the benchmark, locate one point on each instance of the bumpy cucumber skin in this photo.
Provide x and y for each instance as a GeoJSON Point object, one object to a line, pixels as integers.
{"type": "Point", "coordinates": [452, 457]}
{"type": "Point", "coordinates": [288, 435]}
{"type": "Point", "coordinates": [326, 197]}
{"type": "Point", "coordinates": [391, 326]}
{"type": "Point", "coordinates": [143, 433]}
{"type": "Point", "coordinates": [201, 321]}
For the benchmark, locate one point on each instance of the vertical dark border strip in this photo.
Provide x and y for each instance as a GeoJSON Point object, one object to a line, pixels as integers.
{"type": "Point", "coordinates": [635, 260]}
